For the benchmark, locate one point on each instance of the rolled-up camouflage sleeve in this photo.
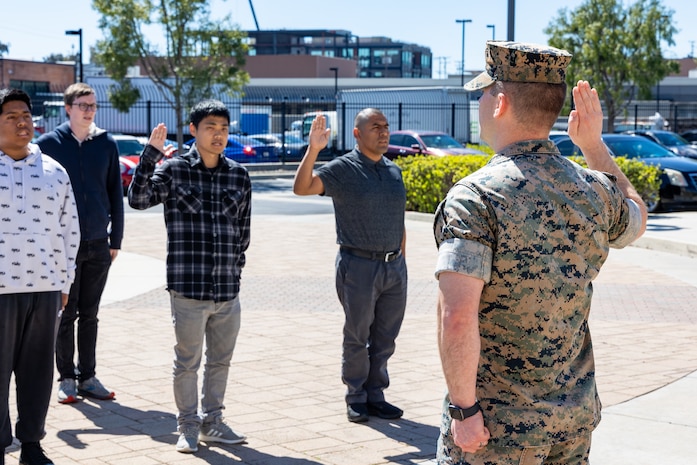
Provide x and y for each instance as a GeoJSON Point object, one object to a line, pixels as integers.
{"type": "Point", "coordinates": [625, 220]}
{"type": "Point", "coordinates": [464, 234]}
{"type": "Point", "coordinates": [631, 219]}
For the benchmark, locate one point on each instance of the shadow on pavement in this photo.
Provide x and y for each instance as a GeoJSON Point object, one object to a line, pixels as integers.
{"type": "Point", "coordinates": [113, 418]}
{"type": "Point", "coordinates": [418, 435]}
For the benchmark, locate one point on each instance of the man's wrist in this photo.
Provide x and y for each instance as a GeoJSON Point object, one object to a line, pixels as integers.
{"type": "Point", "coordinates": [459, 413]}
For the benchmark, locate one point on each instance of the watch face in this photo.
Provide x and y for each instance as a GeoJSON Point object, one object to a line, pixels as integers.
{"type": "Point", "coordinates": [455, 413]}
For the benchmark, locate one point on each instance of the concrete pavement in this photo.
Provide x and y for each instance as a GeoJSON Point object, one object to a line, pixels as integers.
{"type": "Point", "coordinates": [285, 391]}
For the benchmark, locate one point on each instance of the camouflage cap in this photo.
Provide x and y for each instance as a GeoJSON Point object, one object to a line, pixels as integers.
{"type": "Point", "coordinates": [521, 62]}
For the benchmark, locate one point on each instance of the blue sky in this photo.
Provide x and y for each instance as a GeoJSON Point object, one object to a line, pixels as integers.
{"type": "Point", "coordinates": [39, 31]}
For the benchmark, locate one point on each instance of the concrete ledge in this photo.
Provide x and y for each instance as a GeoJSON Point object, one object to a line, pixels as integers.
{"type": "Point", "coordinates": [670, 246]}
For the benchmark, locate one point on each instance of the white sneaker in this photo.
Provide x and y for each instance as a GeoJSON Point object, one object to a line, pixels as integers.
{"type": "Point", "coordinates": [218, 431]}
{"type": "Point", "coordinates": [92, 387]}
{"type": "Point", "coordinates": [188, 439]}
{"type": "Point", "coordinates": [67, 391]}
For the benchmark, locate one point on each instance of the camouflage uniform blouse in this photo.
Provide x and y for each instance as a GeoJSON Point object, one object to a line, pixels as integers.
{"type": "Point", "coordinates": [536, 228]}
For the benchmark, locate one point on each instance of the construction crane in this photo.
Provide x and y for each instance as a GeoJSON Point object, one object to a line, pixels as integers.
{"type": "Point", "coordinates": [251, 5]}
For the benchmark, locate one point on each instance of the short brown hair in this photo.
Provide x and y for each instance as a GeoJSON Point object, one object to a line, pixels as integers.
{"type": "Point", "coordinates": [534, 103]}
{"type": "Point", "coordinates": [75, 91]}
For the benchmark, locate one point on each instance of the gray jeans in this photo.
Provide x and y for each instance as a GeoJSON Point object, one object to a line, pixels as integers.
{"type": "Point", "coordinates": [219, 324]}
{"type": "Point", "coordinates": [374, 296]}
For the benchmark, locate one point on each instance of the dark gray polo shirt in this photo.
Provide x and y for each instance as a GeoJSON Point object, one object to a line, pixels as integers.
{"type": "Point", "coordinates": [369, 201]}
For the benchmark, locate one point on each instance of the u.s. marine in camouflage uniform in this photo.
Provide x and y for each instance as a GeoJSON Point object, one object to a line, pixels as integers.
{"type": "Point", "coordinates": [520, 242]}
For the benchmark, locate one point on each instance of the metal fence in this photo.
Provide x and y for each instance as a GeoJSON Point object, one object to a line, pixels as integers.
{"type": "Point", "coordinates": [460, 120]}
{"type": "Point", "coordinates": [679, 116]}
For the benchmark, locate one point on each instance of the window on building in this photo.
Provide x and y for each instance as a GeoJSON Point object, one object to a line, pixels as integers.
{"type": "Point", "coordinates": [407, 57]}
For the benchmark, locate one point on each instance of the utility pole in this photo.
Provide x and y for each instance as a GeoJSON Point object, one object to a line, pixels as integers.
{"type": "Point", "coordinates": [462, 70]}
{"type": "Point", "coordinates": [78, 33]}
{"type": "Point", "coordinates": [336, 81]}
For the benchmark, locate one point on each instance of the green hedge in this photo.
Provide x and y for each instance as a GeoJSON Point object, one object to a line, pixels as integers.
{"type": "Point", "coordinates": [646, 179]}
{"type": "Point", "coordinates": [428, 179]}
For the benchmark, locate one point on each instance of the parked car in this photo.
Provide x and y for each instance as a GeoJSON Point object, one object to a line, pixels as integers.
{"type": "Point", "coordinates": [565, 144]}
{"type": "Point", "coordinates": [409, 142]}
{"type": "Point", "coordinates": [244, 149]}
{"type": "Point", "coordinates": [130, 149]}
{"type": "Point", "coordinates": [690, 136]}
{"type": "Point", "coordinates": [678, 174]}
{"type": "Point", "coordinates": [294, 145]}
{"type": "Point", "coordinates": [127, 166]}
{"type": "Point", "coordinates": [672, 141]}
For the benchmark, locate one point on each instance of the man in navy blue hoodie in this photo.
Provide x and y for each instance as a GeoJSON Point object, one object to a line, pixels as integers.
{"type": "Point", "coordinates": [91, 158]}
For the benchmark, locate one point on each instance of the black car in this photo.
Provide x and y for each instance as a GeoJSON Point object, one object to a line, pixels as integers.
{"type": "Point", "coordinates": [690, 136]}
{"type": "Point", "coordinates": [670, 140]}
{"type": "Point", "coordinates": [678, 174]}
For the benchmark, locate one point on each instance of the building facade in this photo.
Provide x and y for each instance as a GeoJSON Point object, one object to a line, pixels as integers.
{"type": "Point", "coordinates": [375, 57]}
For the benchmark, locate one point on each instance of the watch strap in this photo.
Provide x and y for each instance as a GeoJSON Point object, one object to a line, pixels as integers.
{"type": "Point", "coordinates": [459, 413]}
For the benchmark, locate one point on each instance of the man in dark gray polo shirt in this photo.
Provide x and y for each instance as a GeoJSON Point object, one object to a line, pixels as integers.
{"type": "Point", "coordinates": [371, 274]}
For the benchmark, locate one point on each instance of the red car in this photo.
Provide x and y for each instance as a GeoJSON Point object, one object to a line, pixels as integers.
{"type": "Point", "coordinates": [405, 143]}
{"type": "Point", "coordinates": [129, 155]}
{"type": "Point", "coordinates": [128, 166]}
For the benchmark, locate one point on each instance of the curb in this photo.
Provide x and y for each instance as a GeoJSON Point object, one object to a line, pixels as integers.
{"type": "Point", "coordinates": [682, 249]}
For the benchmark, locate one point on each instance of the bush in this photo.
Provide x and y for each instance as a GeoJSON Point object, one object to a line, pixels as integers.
{"type": "Point", "coordinates": [645, 178]}
{"type": "Point", "coordinates": [428, 179]}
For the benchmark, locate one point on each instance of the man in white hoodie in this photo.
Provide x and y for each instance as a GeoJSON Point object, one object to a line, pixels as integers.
{"type": "Point", "coordinates": [39, 240]}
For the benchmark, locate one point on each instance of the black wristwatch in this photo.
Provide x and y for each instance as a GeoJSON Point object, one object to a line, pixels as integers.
{"type": "Point", "coordinates": [458, 413]}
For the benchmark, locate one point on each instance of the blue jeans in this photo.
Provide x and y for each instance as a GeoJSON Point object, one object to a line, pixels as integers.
{"type": "Point", "coordinates": [219, 324]}
{"type": "Point", "coordinates": [93, 263]}
{"type": "Point", "coordinates": [27, 336]}
{"type": "Point", "coordinates": [374, 296]}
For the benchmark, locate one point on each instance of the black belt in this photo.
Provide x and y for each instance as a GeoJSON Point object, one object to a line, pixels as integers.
{"type": "Point", "coordinates": [379, 256]}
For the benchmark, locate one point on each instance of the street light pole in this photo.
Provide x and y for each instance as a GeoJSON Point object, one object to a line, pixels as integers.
{"type": "Point", "coordinates": [493, 30]}
{"type": "Point", "coordinates": [336, 81]}
{"type": "Point", "coordinates": [78, 33]}
{"type": "Point", "coordinates": [462, 70]}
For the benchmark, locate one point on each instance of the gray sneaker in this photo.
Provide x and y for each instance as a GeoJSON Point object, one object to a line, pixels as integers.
{"type": "Point", "coordinates": [188, 439]}
{"type": "Point", "coordinates": [67, 391]}
{"type": "Point", "coordinates": [93, 388]}
{"type": "Point", "coordinates": [219, 431]}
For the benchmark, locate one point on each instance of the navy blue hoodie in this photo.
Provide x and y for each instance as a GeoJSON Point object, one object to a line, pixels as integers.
{"type": "Point", "coordinates": [95, 173]}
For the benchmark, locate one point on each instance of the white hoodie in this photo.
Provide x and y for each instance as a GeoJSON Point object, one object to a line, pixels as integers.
{"type": "Point", "coordinates": [39, 228]}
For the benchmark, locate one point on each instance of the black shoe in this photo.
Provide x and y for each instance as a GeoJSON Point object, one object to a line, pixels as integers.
{"type": "Point", "coordinates": [33, 454]}
{"type": "Point", "coordinates": [357, 413]}
{"type": "Point", "coordinates": [384, 410]}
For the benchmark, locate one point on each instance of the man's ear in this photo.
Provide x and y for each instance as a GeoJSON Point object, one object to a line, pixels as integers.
{"type": "Point", "coordinates": [356, 134]}
{"type": "Point", "coordinates": [502, 105]}
{"type": "Point", "coordinates": [192, 129]}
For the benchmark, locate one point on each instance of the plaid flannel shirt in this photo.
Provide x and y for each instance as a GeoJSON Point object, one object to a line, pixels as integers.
{"type": "Point", "coordinates": [207, 214]}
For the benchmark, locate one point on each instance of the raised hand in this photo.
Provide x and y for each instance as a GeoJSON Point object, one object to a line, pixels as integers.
{"type": "Point", "coordinates": [319, 133]}
{"type": "Point", "coordinates": [586, 120]}
{"type": "Point", "coordinates": [157, 139]}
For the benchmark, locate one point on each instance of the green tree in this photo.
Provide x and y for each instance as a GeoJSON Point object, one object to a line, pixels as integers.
{"type": "Point", "coordinates": [616, 49]}
{"type": "Point", "coordinates": [199, 53]}
{"type": "Point", "coordinates": [4, 48]}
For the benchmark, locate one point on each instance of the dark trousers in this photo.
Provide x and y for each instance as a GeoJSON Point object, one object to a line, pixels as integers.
{"type": "Point", "coordinates": [374, 295]}
{"type": "Point", "coordinates": [27, 342]}
{"type": "Point", "coordinates": [93, 262]}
